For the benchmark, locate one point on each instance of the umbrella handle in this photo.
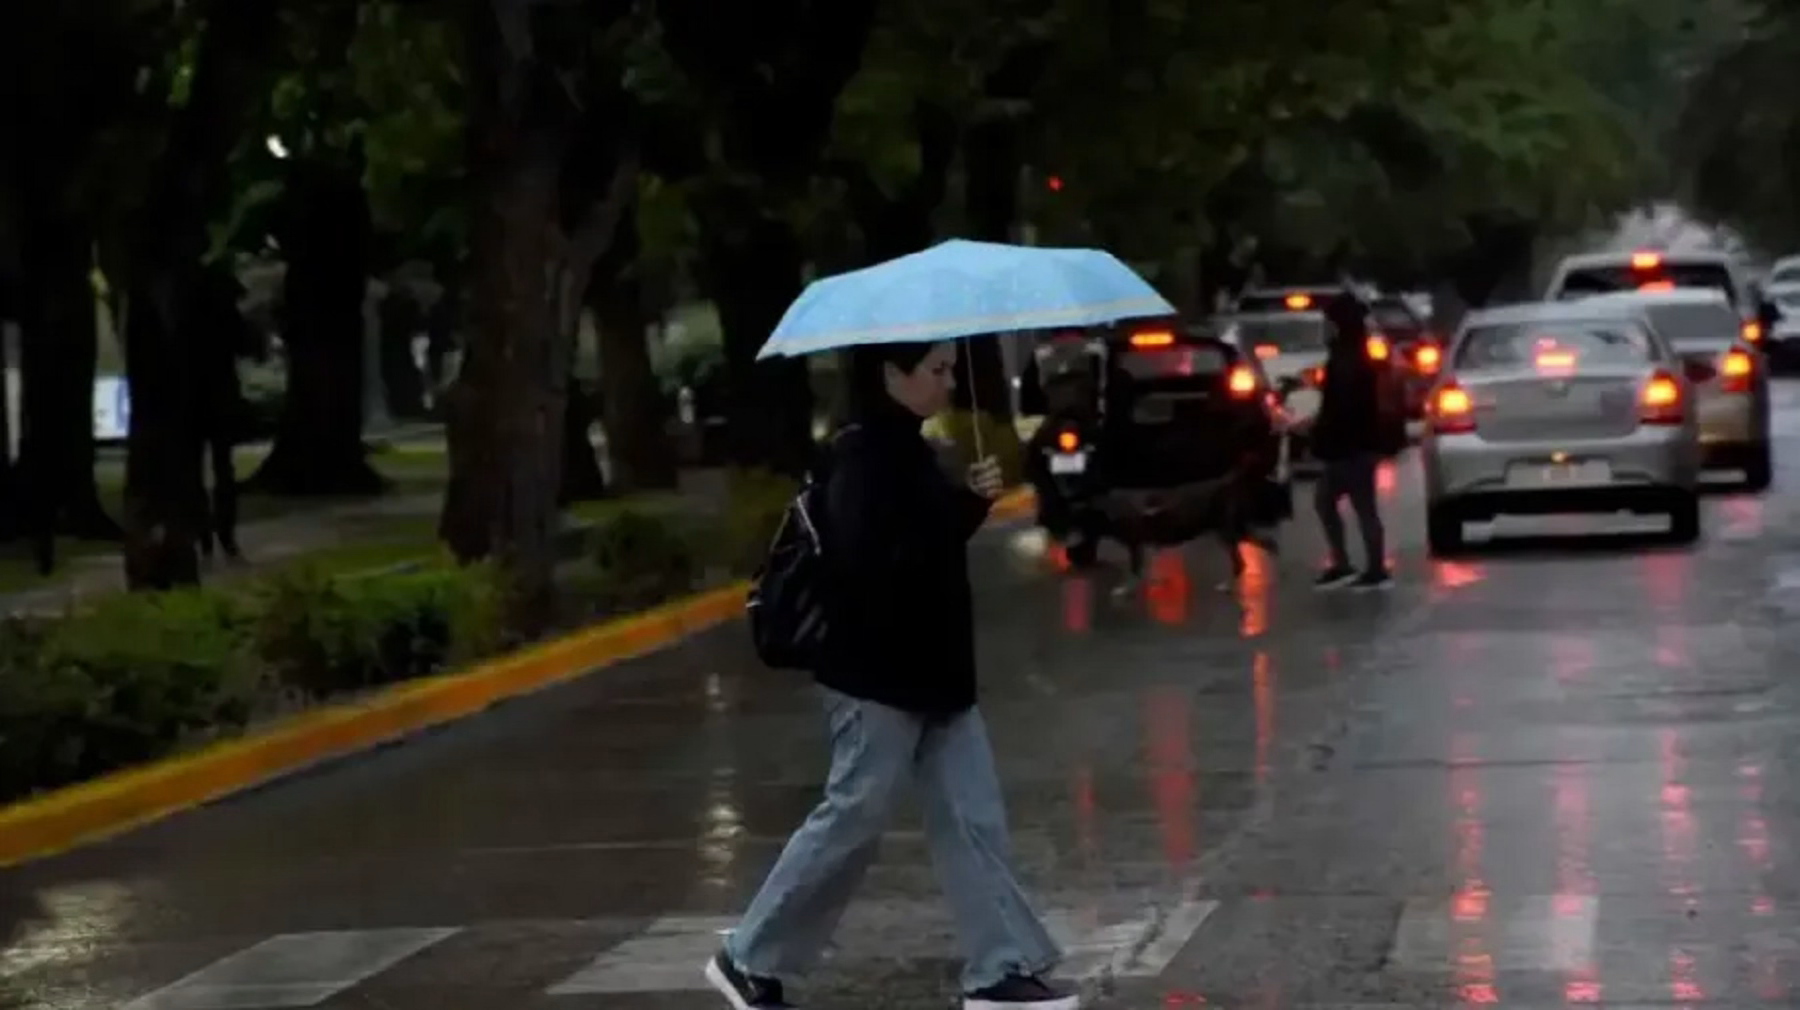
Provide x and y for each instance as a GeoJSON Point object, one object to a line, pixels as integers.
{"type": "Point", "coordinates": [974, 407]}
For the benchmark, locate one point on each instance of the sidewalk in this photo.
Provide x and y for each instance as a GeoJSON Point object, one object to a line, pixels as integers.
{"type": "Point", "coordinates": [268, 543]}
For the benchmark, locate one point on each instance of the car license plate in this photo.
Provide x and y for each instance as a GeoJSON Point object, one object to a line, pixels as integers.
{"type": "Point", "coordinates": [1064, 463]}
{"type": "Point", "coordinates": [1555, 475]}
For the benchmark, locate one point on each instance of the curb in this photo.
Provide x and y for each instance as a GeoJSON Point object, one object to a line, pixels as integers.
{"type": "Point", "coordinates": [113, 804]}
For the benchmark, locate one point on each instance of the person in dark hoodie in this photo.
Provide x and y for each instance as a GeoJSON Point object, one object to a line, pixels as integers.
{"type": "Point", "coordinates": [897, 675]}
{"type": "Point", "coordinates": [1350, 435]}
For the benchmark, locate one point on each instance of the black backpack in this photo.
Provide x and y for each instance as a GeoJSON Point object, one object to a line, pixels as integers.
{"type": "Point", "coordinates": [786, 607]}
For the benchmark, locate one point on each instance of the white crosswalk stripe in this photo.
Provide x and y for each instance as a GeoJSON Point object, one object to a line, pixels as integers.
{"type": "Point", "coordinates": [1105, 940]}
{"type": "Point", "coordinates": [292, 970]}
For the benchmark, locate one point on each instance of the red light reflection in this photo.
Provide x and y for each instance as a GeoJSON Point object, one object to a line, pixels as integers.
{"type": "Point", "coordinates": [1253, 594]}
{"type": "Point", "coordinates": [1077, 606]}
{"type": "Point", "coordinates": [1171, 771]}
{"type": "Point", "coordinates": [1387, 479]}
{"type": "Point", "coordinates": [1169, 589]}
{"type": "Point", "coordinates": [1474, 968]}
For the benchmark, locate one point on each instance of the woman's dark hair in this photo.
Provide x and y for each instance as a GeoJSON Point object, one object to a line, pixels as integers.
{"type": "Point", "coordinates": [868, 375]}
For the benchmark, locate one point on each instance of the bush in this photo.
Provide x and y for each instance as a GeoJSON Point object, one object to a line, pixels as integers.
{"type": "Point", "coordinates": [754, 503]}
{"type": "Point", "coordinates": [129, 680]}
{"type": "Point", "coordinates": [322, 635]}
{"type": "Point", "coordinates": [640, 558]}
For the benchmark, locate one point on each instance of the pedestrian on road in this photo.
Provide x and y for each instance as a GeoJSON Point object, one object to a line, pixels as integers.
{"type": "Point", "coordinates": [897, 675]}
{"type": "Point", "coordinates": [1350, 434]}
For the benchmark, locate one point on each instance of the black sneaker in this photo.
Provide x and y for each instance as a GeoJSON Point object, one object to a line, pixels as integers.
{"type": "Point", "coordinates": [1021, 991]}
{"type": "Point", "coordinates": [1334, 576]}
{"type": "Point", "coordinates": [1379, 578]}
{"type": "Point", "coordinates": [741, 990]}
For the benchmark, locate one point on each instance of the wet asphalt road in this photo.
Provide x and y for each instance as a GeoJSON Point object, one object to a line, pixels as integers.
{"type": "Point", "coordinates": [1553, 773]}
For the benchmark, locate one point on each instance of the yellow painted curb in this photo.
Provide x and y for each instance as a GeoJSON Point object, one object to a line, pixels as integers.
{"type": "Point", "coordinates": [112, 804]}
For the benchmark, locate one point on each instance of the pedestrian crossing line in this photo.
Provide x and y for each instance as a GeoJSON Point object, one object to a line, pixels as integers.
{"type": "Point", "coordinates": [292, 970]}
{"type": "Point", "coordinates": [665, 957]}
{"type": "Point", "coordinates": [1536, 933]}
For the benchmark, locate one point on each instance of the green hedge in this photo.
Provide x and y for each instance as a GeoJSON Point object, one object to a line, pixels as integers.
{"type": "Point", "coordinates": [138, 676]}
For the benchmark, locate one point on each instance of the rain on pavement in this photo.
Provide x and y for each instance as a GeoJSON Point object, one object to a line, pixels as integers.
{"type": "Point", "coordinates": [1553, 773]}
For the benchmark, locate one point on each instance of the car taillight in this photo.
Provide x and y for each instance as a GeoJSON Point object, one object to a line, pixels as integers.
{"type": "Point", "coordinates": [1751, 331]}
{"type": "Point", "coordinates": [1452, 410]}
{"type": "Point", "coordinates": [1314, 376]}
{"type": "Point", "coordinates": [1659, 402]}
{"type": "Point", "coordinates": [1377, 347]}
{"type": "Point", "coordinates": [1735, 370]}
{"type": "Point", "coordinates": [1152, 339]}
{"type": "Point", "coordinates": [1266, 351]}
{"type": "Point", "coordinates": [1427, 359]}
{"type": "Point", "coordinates": [1068, 441]}
{"type": "Point", "coordinates": [1241, 381]}
{"type": "Point", "coordinates": [1554, 362]}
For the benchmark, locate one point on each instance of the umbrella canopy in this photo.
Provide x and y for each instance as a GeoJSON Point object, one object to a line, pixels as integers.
{"type": "Point", "coordinates": [963, 289]}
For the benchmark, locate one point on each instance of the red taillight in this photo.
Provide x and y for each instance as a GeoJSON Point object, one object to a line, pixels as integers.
{"type": "Point", "coordinates": [1377, 347]}
{"type": "Point", "coordinates": [1751, 331]}
{"type": "Point", "coordinates": [1452, 410]}
{"type": "Point", "coordinates": [1242, 382]}
{"type": "Point", "coordinates": [1735, 370]}
{"type": "Point", "coordinates": [1659, 402]}
{"type": "Point", "coordinates": [1266, 351]}
{"type": "Point", "coordinates": [1657, 286]}
{"type": "Point", "coordinates": [1153, 339]}
{"type": "Point", "coordinates": [1068, 441]}
{"type": "Point", "coordinates": [1427, 359]}
{"type": "Point", "coordinates": [1314, 376]}
{"type": "Point", "coordinates": [1298, 301]}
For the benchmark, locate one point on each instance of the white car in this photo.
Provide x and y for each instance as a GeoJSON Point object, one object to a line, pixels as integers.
{"type": "Point", "coordinates": [1549, 408]}
{"type": "Point", "coordinates": [1729, 375]}
{"type": "Point", "coordinates": [1783, 287]}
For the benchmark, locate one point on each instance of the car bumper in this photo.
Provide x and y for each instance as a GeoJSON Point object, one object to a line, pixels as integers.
{"type": "Point", "coordinates": [1649, 466]}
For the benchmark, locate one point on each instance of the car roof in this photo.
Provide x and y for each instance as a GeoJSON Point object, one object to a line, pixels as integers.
{"type": "Point", "coordinates": [1580, 309]}
{"type": "Point", "coordinates": [1620, 257]}
{"type": "Point", "coordinates": [1670, 296]}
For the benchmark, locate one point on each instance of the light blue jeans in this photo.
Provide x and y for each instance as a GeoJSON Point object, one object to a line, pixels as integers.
{"type": "Point", "coordinates": [875, 751]}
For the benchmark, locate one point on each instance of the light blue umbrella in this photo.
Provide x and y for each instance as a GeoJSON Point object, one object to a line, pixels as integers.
{"type": "Point", "coordinates": [963, 289]}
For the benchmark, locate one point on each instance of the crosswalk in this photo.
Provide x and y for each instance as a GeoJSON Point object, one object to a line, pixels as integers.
{"type": "Point", "coordinates": [1467, 943]}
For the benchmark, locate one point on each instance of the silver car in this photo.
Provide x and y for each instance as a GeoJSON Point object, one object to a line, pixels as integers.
{"type": "Point", "coordinates": [1729, 374]}
{"type": "Point", "coordinates": [1571, 407]}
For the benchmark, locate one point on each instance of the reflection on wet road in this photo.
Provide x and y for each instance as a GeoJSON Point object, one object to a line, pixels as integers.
{"type": "Point", "coordinates": [1548, 774]}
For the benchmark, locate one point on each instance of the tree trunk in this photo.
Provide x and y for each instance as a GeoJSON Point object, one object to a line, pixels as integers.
{"type": "Point", "coordinates": [164, 494]}
{"type": "Point", "coordinates": [325, 234]}
{"type": "Point", "coordinates": [753, 273]}
{"type": "Point", "coordinates": [59, 347]}
{"type": "Point", "coordinates": [506, 416]}
{"type": "Point", "coordinates": [632, 412]}
{"type": "Point", "coordinates": [582, 478]}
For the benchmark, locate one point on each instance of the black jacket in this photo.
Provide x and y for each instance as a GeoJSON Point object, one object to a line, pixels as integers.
{"type": "Point", "coordinates": [1351, 421]}
{"type": "Point", "coordinates": [899, 608]}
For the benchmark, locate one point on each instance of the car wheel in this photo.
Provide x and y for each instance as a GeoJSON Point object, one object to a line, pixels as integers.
{"type": "Point", "coordinates": [1759, 468]}
{"type": "Point", "coordinates": [1443, 530]}
{"type": "Point", "coordinates": [1083, 552]}
{"type": "Point", "coordinates": [1684, 519]}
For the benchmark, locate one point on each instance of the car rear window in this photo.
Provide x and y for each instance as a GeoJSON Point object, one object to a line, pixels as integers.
{"type": "Point", "coordinates": [1301, 332]}
{"type": "Point", "coordinates": [1278, 300]}
{"type": "Point", "coordinates": [1701, 325]}
{"type": "Point", "coordinates": [1395, 319]}
{"type": "Point", "coordinates": [1516, 345]}
{"type": "Point", "coordinates": [1198, 361]}
{"type": "Point", "coordinates": [1623, 277]}
{"type": "Point", "coordinates": [1786, 274]}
